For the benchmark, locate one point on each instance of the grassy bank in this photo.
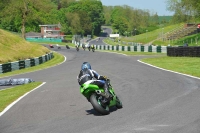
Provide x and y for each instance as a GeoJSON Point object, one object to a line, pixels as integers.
{"type": "Point", "coordinates": [14, 48]}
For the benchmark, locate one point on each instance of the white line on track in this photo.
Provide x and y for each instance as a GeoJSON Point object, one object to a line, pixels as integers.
{"type": "Point", "coordinates": [168, 70]}
{"type": "Point", "coordinates": [13, 103]}
{"type": "Point", "coordinates": [161, 68]}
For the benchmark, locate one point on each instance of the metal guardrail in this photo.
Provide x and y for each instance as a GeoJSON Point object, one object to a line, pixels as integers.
{"type": "Point", "coordinates": [154, 49]}
{"type": "Point", "coordinates": [12, 66]}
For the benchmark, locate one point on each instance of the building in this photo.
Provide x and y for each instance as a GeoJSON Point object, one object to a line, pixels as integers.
{"type": "Point", "coordinates": [33, 35]}
{"type": "Point", "coordinates": [52, 31]}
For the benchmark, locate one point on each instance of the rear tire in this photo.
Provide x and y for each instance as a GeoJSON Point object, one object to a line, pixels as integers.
{"type": "Point", "coordinates": [97, 105]}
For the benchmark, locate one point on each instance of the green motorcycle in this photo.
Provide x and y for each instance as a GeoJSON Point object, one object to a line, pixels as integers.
{"type": "Point", "coordinates": [96, 96]}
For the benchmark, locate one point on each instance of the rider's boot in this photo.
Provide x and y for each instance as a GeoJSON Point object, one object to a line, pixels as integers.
{"type": "Point", "coordinates": [107, 93]}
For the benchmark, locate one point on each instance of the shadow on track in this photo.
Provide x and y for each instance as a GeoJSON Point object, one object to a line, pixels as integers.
{"type": "Point", "coordinates": [92, 111]}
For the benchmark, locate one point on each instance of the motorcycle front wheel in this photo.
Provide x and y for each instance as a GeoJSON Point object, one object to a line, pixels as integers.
{"type": "Point", "coordinates": [98, 106]}
{"type": "Point", "coordinates": [119, 103]}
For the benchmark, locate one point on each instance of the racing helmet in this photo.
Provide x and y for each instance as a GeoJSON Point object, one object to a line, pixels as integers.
{"type": "Point", "coordinates": [85, 65]}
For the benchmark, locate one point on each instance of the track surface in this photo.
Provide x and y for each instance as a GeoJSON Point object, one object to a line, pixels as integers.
{"type": "Point", "coordinates": [155, 101]}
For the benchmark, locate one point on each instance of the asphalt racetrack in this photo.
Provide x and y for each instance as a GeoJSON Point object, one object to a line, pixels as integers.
{"type": "Point", "coordinates": [155, 101]}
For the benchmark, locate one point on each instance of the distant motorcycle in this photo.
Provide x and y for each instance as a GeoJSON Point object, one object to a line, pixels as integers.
{"type": "Point", "coordinates": [77, 48]}
{"type": "Point", "coordinates": [51, 46]}
{"type": "Point", "coordinates": [58, 46]}
{"type": "Point", "coordinates": [93, 48]}
{"type": "Point", "coordinates": [67, 47]}
{"type": "Point", "coordinates": [83, 47]}
{"type": "Point", "coordinates": [89, 48]}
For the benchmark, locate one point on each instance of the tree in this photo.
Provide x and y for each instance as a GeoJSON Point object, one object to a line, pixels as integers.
{"type": "Point", "coordinates": [125, 18]}
{"type": "Point", "coordinates": [94, 11]}
{"type": "Point", "coordinates": [184, 10]}
{"type": "Point", "coordinates": [22, 11]}
{"type": "Point", "coordinates": [74, 22]}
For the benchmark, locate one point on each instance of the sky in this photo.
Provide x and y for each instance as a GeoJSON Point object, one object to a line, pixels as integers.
{"type": "Point", "coordinates": [153, 6]}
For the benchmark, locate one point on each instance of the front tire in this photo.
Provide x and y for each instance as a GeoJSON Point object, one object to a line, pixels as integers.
{"type": "Point", "coordinates": [96, 103]}
{"type": "Point", "coordinates": [119, 103]}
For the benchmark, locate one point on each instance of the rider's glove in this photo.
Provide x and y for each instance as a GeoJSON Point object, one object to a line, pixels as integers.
{"type": "Point", "coordinates": [106, 78]}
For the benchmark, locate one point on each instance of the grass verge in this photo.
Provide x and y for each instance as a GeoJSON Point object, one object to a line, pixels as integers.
{"type": "Point", "coordinates": [134, 53]}
{"type": "Point", "coordinates": [185, 65]}
{"type": "Point", "coordinates": [9, 95]}
{"type": "Point", "coordinates": [58, 58]}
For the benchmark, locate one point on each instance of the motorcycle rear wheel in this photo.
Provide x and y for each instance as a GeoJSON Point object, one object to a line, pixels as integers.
{"type": "Point", "coordinates": [96, 103]}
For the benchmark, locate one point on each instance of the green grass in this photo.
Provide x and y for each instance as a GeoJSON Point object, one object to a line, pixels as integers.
{"type": "Point", "coordinates": [110, 42]}
{"type": "Point", "coordinates": [185, 65]}
{"type": "Point", "coordinates": [135, 53]}
{"type": "Point", "coordinates": [58, 58]}
{"type": "Point", "coordinates": [14, 48]}
{"type": "Point", "coordinates": [7, 96]}
{"type": "Point", "coordinates": [149, 36]}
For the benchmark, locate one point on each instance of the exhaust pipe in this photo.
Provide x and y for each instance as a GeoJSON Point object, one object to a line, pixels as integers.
{"type": "Point", "coordinates": [98, 92]}
{"type": "Point", "coordinates": [102, 94]}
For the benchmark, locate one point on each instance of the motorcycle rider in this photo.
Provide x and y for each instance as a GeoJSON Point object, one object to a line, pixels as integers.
{"type": "Point", "coordinates": [83, 46]}
{"type": "Point", "coordinates": [77, 45]}
{"type": "Point", "coordinates": [58, 46]}
{"type": "Point", "coordinates": [92, 46]}
{"type": "Point", "coordinates": [89, 76]}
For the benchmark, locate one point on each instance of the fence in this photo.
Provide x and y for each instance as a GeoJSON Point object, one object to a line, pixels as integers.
{"type": "Point", "coordinates": [17, 65]}
{"type": "Point", "coordinates": [43, 40]}
{"type": "Point", "coordinates": [184, 51]}
{"type": "Point", "coordinates": [155, 49]}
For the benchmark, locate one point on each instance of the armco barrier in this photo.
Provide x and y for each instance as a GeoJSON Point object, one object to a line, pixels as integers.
{"type": "Point", "coordinates": [6, 67]}
{"type": "Point", "coordinates": [15, 65]}
{"type": "Point", "coordinates": [155, 49]}
{"type": "Point", "coordinates": [21, 64]}
{"type": "Point", "coordinates": [27, 63]}
{"type": "Point", "coordinates": [32, 62]}
{"type": "Point", "coordinates": [1, 71]}
{"type": "Point", "coordinates": [12, 66]}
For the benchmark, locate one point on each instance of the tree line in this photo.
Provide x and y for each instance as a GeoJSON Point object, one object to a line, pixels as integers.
{"type": "Point", "coordinates": [127, 20]}
{"type": "Point", "coordinates": [76, 17]}
{"type": "Point", "coordinates": [184, 10]}
{"type": "Point", "coordinates": [85, 17]}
